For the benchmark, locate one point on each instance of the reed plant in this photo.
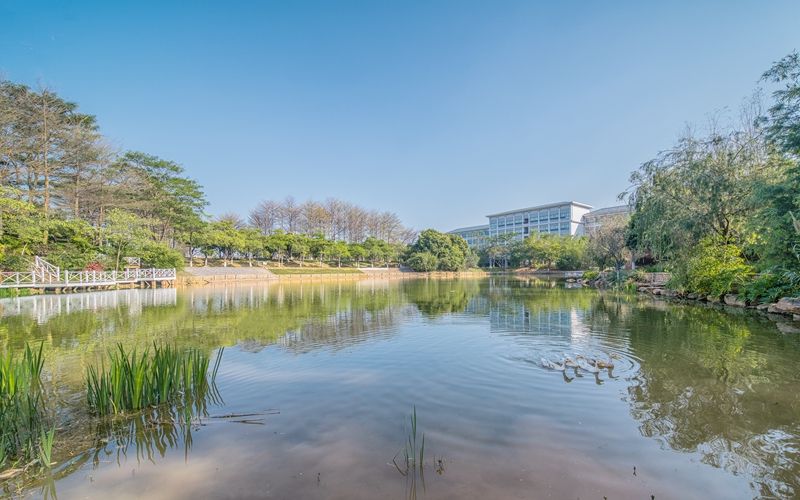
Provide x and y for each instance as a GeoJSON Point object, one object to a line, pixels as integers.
{"type": "Point", "coordinates": [134, 381]}
{"type": "Point", "coordinates": [410, 456]}
{"type": "Point", "coordinates": [21, 406]}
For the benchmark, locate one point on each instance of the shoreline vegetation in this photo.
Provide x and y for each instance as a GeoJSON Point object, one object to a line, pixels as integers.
{"type": "Point", "coordinates": [171, 380]}
{"type": "Point", "coordinates": [716, 210]}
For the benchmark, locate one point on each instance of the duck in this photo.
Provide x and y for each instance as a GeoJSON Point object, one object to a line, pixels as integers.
{"type": "Point", "coordinates": [556, 365]}
{"type": "Point", "coordinates": [610, 363]}
{"type": "Point", "coordinates": [601, 364]}
{"type": "Point", "coordinates": [587, 366]}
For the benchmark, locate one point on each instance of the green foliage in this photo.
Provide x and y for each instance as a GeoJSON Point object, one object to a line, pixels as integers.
{"type": "Point", "coordinates": [437, 251]}
{"type": "Point", "coordinates": [771, 286]}
{"type": "Point", "coordinates": [714, 268]}
{"type": "Point", "coordinates": [132, 382]}
{"type": "Point", "coordinates": [591, 274]}
{"type": "Point", "coordinates": [423, 261]}
{"type": "Point", "coordinates": [701, 187]}
{"type": "Point", "coordinates": [783, 123]}
{"type": "Point", "coordinates": [159, 255]}
{"type": "Point", "coordinates": [21, 406]}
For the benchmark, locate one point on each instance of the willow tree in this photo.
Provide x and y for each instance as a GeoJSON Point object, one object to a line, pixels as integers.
{"type": "Point", "coordinates": [778, 203]}
{"type": "Point", "coordinates": [702, 186]}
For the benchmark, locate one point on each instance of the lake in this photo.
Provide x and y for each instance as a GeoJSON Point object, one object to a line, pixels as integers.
{"type": "Point", "coordinates": [319, 381]}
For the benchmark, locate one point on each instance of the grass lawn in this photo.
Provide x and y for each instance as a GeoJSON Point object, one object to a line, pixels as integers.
{"type": "Point", "coordinates": [313, 270]}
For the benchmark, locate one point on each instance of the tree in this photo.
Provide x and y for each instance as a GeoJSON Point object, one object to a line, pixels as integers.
{"type": "Point", "coordinates": [609, 242]}
{"type": "Point", "coordinates": [357, 252]}
{"type": "Point", "coordinates": [702, 186]}
{"type": "Point", "coordinates": [375, 249]}
{"type": "Point", "coordinates": [340, 250]}
{"type": "Point", "coordinates": [301, 246]}
{"type": "Point", "coordinates": [252, 243]}
{"type": "Point", "coordinates": [450, 250]}
{"type": "Point", "coordinates": [225, 239]}
{"type": "Point", "coordinates": [169, 201]}
{"type": "Point", "coordinates": [320, 246]}
{"type": "Point", "coordinates": [423, 261]}
{"type": "Point", "coordinates": [783, 122]}
{"type": "Point", "coordinates": [497, 247]}
{"type": "Point", "coordinates": [125, 232]}
{"type": "Point", "coordinates": [277, 244]}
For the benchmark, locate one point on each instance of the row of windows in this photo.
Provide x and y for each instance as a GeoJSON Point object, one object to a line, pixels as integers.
{"type": "Point", "coordinates": [526, 218]}
{"type": "Point", "coordinates": [562, 228]}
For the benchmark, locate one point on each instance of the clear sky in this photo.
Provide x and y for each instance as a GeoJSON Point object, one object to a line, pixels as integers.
{"type": "Point", "coordinates": [440, 111]}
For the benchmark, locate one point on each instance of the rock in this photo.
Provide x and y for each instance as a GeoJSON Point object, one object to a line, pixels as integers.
{"type": "Point", "coordinates": [787, 327]}
{"type": "Point", "coordinates": [796, 317]}
{"type": "Point", "coordinates": [701, 298]}
{"type": "Point", "coordinates": [671, 293]}
{"type": "Point", "coordinates": [764, 307]}
{"type": "Point", "coordinates": [691, 296]}
{"type": "Point", "coordinates": [732, 300]}
{"type": "Point", "coordinates": [643, 289]}
{"type": "Point", "coordinates": [788, 305]}
{"type": "Point", "coordinates": [714, 300]}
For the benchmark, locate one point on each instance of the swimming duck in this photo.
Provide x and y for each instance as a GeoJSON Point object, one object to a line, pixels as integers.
{"type": "Point", "coordinates": [584, 365]}
{"type": "Point", "coordinates": [602, 364]}
{"type": "Point", "coordinates": [610, 363]}
{"type": "Point", "coordinates": [556, 365]}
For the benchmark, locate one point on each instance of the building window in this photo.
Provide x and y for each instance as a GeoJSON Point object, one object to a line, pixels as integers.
{"type": "Point", "coordinates": [553, 214]}
{"type": "Point", "coordinates": [518, 219]}
{"type": "Point", "coordinates": [564, 213]}
{"type": "Point", "coordinates": [493, 223]}
{"type": "Point", "coordinates": [565, 225]}
{"type": "Point", "coordinates": [543, 216]}
{"type": "Point", "coordinates": [534, 217]}
{"type": "Point", "coordinates": [553, 228]}
{"type": "Point", "coordinates": [525, 230]}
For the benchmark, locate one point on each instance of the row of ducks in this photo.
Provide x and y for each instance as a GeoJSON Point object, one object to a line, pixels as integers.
{"type": "Point", "coordinates": [589, 364]}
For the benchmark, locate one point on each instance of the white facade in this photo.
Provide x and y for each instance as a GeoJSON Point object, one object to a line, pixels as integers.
{"type": "Point", "coordinates": [557, 218]}
{"type": "Point", "coordinates": [594, 219]}
{"type": "Point", "coordinates": [475, 235]}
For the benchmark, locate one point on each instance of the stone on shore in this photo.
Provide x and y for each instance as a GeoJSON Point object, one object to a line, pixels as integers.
{"type": "Point", "coordinates": [732, 300]}
{"type": "Point", "coordinates": [787, 305]}
{"type": "Point", "coordinates": [764, 307]}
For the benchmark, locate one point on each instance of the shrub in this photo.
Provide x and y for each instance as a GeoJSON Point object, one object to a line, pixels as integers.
{"type": "Point", "coordinates": [161, 256]}
{"type": "Point", "coordinates": [591, 274]}
{"type": "Point", "coordinates": [715, 268]}
{"type": "Point", "coordinates": [771, 286]}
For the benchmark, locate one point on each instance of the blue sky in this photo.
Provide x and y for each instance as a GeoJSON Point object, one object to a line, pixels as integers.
{"type": "Point", "coordinates": [440, 111]}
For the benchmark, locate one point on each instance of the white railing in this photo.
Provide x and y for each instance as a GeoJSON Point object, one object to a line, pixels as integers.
{"type": "Point", "coordinates": [46, 271]}
{"type": "Point", "coordinates": [47, 275]}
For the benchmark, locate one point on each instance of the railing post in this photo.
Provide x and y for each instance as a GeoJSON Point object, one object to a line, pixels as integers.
{"type": "Point", "coordinates": [66, 276]}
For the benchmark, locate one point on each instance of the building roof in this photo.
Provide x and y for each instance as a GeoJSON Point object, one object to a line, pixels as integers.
{"type": "Point", "coordinates": [611, 210]}
{"type": "Point", "coordinates": [539, 207]}
{"type": "Point", "coordinates": [468, 229]}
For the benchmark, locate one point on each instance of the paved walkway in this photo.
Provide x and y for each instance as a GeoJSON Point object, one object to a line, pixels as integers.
{"type": "Point", "coordinates": [227, 271]}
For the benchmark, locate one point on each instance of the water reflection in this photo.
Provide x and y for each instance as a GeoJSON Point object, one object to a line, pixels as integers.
{"type": "Point", "coordinates": [696, 380]}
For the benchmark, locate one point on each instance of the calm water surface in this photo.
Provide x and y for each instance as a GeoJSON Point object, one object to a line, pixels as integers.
{"type": "Point", "coordinates": [702, 403]}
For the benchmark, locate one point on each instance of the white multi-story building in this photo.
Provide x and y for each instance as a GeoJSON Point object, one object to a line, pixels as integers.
{"type": "Point", "coordinates": [595, 218]}
{"type": "Point", "coordinates": [475, 235]}
{"type": "Point", "coordinates": [557, 218]}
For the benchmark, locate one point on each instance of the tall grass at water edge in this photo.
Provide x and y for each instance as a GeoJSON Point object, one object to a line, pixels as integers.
{"type": "Point", "coordinates": [22, 429]}
{"type": "Point", "coordinates": [134, 381]}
